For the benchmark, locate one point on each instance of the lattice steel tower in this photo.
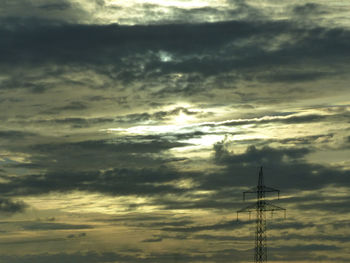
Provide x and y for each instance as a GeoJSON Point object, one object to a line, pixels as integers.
{"type": "Point", "coordinates": [261, 206]}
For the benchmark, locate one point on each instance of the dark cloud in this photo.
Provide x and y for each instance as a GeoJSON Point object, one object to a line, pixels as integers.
{"type": "Point", "coordinates": [339, 205]}
{"type": "Point", "coordinates": [313, 247]}
{"type": "Point", "coordinates": [44, 226]}
{"type": "Point", "coordinates": [314, 237]}
{"type": "Point", "coordinates": [290, 225]}
{"type": "Point", "coordinates": [120, 182]}
{"type": "Point", "coordinates": [100, 154]}
{"type": "Point", "coordinates": [76, 258]}
{"type": "Point", "coordinates": [151, 240]}
{"type": "Point", "coordinates": [308, 9]}
{"type": "Point", "coordinates": [13, 134]}
{"type": "Point", "coordinates": [229, 225]}
{"type": "Point", "coordinates": [31, 241]}
{"type": "Point", "coordinates": [42, 12]}
{"type": "Point", "coordinates": [311, 251]}
{"type": "Point", "coordinates": [297, 77]}
{"type": "Point", "coordinates": [56, 6]}
{"type": "Point", "coordinates": [72, 106]}
{"type": "Point", "coordinates": [286, 167]}
{"type": "Point", "coordinates": [221, 238]}
{"type": "Point", "coordinates": [80, 235]}
{"type": "Point", "coordinates": [253, 155]}
{"type": "Point", "coordinates": [94, 257]}
{"type": "Point", "coordinates": [73, 43]}
{"type": "Point", "coordinates": [118, 56]}
{"type": "Point", "coordinates": [165, 222]}
{"type": "Point", "coordinates": [10, 206]}
{"type": "Point", "coordinates": [156, 116]}
{"type": "Point", "coordinates": [74, 122]}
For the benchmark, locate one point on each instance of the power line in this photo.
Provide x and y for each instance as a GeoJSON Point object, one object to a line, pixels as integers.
{"type": "Point", "coordinates": [261, 206]}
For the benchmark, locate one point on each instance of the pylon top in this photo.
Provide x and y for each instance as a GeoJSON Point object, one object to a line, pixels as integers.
{"type": "Point", "coordinates": [260, 191]}
{"type": "Point", "coordinates": [261, 177]}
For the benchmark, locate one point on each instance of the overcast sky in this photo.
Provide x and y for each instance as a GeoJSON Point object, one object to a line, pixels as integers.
{"type": "Point", "coordinates": [129, 129]}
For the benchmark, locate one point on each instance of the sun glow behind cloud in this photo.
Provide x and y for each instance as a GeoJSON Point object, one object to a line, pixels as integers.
{"type": "Point", "coordinates": [182, 119]}
{"type": "Point", "coordinates": [152, 11]}
{"type": "Point", "coordinates": [235, 131]}
{"type": "Point", "coordinates": [85, 202]}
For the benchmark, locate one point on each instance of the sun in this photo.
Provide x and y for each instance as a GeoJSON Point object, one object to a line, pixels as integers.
{"type": "Point", "coordinates": [182, 119]}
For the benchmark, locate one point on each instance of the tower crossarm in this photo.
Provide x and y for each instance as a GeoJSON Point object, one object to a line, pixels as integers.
{"type": "Point", "coordinates": [251, 191]}
{"type": "Point", "coordinates": [262, 188]}
{"type": "Point", "coordinates": [267, 189]}
{"type": "Point", "coordinates": [247, 209]}
{"type": "Point", "coordinates": [264, 206]}
{"type": "Point", "coordinates": [272, 208]}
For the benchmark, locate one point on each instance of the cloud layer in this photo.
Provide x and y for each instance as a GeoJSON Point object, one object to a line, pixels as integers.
{"type": "Point", "coordinates": [145, 121]}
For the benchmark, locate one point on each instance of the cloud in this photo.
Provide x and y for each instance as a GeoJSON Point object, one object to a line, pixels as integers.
{"type": "Point", "coordinates": [285, 168]}
{"type": "Point", "coordinates": [289, 170]}
{"type": "Point", "coordinates": [73, 106]}
{"type": "Point", "coordinates": [312, 247]}
{"type": "Point", "coordinates": [44, 226]}
{"type": "Point", "coordinates": [76, 235]}
{"type": "Point", "coordinates": [339, 205]}
{"type": "Point", "coordinates": [75, 123]}
{"type": "Point", "coordinates": [151, 240]}
{"type": "Point", "coordinates": [13, 134]}
{"type": "Point", "coordinates": [269, 77]}
{"type": "Point", "coordinates": [119, 182]}
{"type": "Point", "coordinates": [44, 12]}
{"type": "Point", "coordinates": [192, 50]}
{"type": "Point", "coordinates": [69, 258]}
{"type": "Point", "coordinates": [95, 257]}
{"type": "Point", "coordinates": [308, 9]}
{"type": "Point", "coordinates": [9, 206]}
{"type": "Point", "coordinates": [30, 241]}
{"type": "Point", "coordinates": [229, 225]}
{"type": "Point", "coordinates": [297, 76]}
{"type": "Point", "coordinates": [253, 155]}
{"type": "Point", "coordinates": [271, 119]}
{"type": "Point", "coordinates": [100, 154]}
{"type": "Point", "coordinates": [56, 6]}
{"type": "Point", "coordinates": [270, 53]}
{"type": "Point", "coordinates": [158, 116]}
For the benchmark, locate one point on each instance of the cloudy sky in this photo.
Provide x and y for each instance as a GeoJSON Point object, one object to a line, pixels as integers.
{"type": "Point", "coordinates": [129, 129]}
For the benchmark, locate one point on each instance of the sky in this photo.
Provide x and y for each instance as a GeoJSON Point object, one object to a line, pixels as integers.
{"type": "Point", "coordinates": [129, 129]}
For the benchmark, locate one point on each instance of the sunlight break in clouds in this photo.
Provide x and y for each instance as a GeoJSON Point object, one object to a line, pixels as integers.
{"type": "Point", "coordinates": [167, 3]}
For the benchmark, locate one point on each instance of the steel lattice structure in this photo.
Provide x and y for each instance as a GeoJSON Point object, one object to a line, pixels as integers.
{"type": "Point", "coordinates": [261, 207]}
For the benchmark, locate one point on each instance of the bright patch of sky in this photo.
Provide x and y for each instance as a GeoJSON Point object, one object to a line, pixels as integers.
{"type": "Point", "coordinates": [155, 11]}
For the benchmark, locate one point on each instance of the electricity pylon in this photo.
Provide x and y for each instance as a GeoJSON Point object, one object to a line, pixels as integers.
{"type": "Point", "coordinates": [261, 206]}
